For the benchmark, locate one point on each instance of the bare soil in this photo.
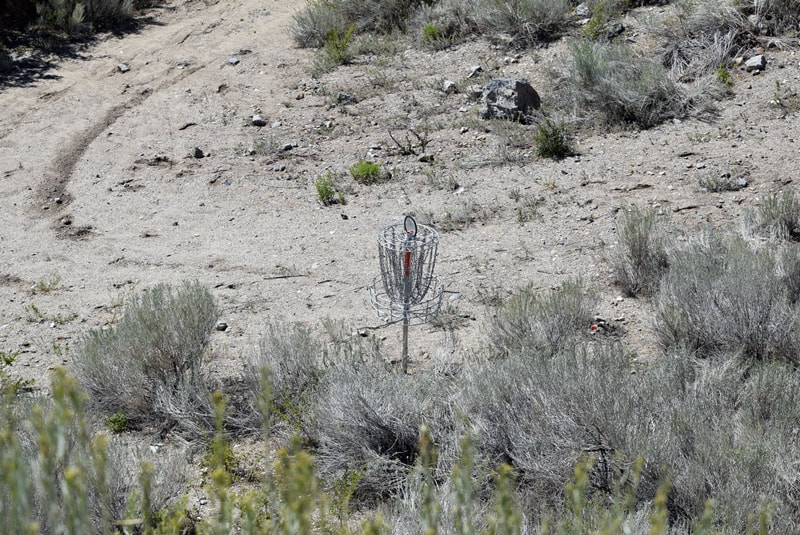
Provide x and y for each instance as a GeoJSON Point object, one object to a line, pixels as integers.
{"type": "Point", "coordinates": [101, 195]}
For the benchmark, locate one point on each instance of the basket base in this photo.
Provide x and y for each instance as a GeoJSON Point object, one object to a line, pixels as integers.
{"type": "Point", "coordinates": [422, 311]}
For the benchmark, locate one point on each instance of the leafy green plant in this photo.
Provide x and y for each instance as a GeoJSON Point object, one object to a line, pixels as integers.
{"type": "Point", "coordinates": [366, 172]}
{"type": "Point", "coordinates": [117, 422]}
{"type": "Point", "coordinates": [326, 190]}
{"type": "Point", "coordinates": [551, 140]}
{"type": "Point", "coordinates": [337, 45]}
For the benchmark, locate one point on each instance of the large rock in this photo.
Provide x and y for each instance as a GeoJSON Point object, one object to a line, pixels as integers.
{"type": "Point", "coordinates": [509, 98]}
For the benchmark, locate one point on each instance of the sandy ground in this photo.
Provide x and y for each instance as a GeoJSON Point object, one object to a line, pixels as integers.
{"type": "Point", "coordinates": [100, 195]}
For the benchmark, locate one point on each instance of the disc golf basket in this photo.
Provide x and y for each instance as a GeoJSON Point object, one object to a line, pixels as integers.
{"type": "Point", "coordinates": [406, 289]}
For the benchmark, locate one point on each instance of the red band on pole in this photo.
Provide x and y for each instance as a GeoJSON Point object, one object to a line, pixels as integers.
{"type": "Point", "coordinates": [407, 264]}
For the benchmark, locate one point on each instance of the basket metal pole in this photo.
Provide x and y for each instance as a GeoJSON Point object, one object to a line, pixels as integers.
{"type": "Point", "coordinates": [406, 298]}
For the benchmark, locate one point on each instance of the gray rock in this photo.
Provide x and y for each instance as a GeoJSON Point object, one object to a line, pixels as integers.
{"type": "Point", "coordinates": [287, 147]}
{"type": "Point", "coordinates": [259, 121]}
{"type": "Point", "coordinates": [742, 183]}
{"type": "Point", "coordinates": [233, 60]}
{"type": "Point", "coordinates": [476, 70]}
{"type": "Point", "coordinates": [198, 153]}
{"type": "Point", "coordinates": [449, 87]}
{"type": "Point", "coordinates": [123, 67]}
{"type": "Point", "coordinates": [756, 63]}
{"type": "Point", "coordinates": [582, 10]}
{"type": "Point", "coordinates": [509, 98]}
{"type": "Point", "coordinates": [221, 326]}
{"type": "Point", "coordinates": [344, 98]}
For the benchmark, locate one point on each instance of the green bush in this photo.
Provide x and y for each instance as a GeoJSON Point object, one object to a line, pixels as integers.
{"type": "Point", "coordinates": [117, 422]}
{"type": "Point", "coordinates": [551, 140]}
{"type": "Point", "coordinates": [149, 365]}
{"type": "Point", "coordinates": [640, 259]}
{"type": "Point", "coordinates": [326, 190]}
{"type": "Point", "coordinates": [366, 172]}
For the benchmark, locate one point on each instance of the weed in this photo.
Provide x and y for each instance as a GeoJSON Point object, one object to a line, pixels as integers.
{"type": "Point", "coordinates": [327, 192]}
{"type": "Point", "coordinates": [366, 172]}
{"type": "Point", "coordinates": [337, 45]}
{"type": "Point", "coordinates": [117, 422]}
{"type": "Point", "coordinates": [716, 183]}
{"type": "Point", "coordinates": [463, 215]}
{"type": "Point", "coordinates": [551, 140]}
{"type": "Point", "coordinates": [417, 141]}
{"type": "Point", "coordinates": [527, 208]}
{"type": "Point", "coordinates": [46, 285]}
{"type": "Point", "coordinates": [720, 296]}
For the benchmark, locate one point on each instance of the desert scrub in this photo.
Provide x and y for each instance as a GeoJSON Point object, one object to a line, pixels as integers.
{"type": "Point", "coordinates": [723, 296]}
{"type": "Point", "coordinates": [551, 140]}
{"type": "Point", "coordinates": [612, 84]}
{"type": "Point", "coordinates": [366, 418]}
{"type": "Point", "coordinates": [283, 372]}
{"type": "Point", "coordinates": [73, 17]}
{"type": "Point", "coordinates": [546, 322]}
{"type": "Point", "coordinates": [367, 172]}
{"type": "Point", "coordinates": [326, 190]}
{"type": "Point", "coordinates": [779, 216]}
{"type": "Point", "coordinates": [527, 21]}
{"type": "Point", "coordinates": [640, 258]}
{"type": "Point", "coordinates": [148, 365]}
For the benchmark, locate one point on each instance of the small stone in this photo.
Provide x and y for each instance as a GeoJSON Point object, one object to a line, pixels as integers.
{"type": "Point", "coordinates": [233, 60]}
{"type": "Point", "coordinates": [475, 71]}
{"type": "Point", "coordinates": [345, 216]}
{"type": "Point", "coordinates": [582, 10]}
{"type": "Point", "coordinates": [425, 158]}
{"type": "Point", "coordinates": [123, 67]}
{"type": "Point", "coordinates": [45, 207]}
{"type": "Point", "coordinates": [449, 87]}
{"type": "Point", "coordinates": [259, 121]}
{"type": "Point", "coordinates": [300, 96]}
{"type": "Point", "coordinates": [344, 98]}
{"type": "Point", "coordinates": [66, 221]}
{"type": "Point", "coordinates": [197, 153]}
{"type": "Point", "coordinates": [742, 182]}
{"type": "Point", "coordinates": [756, 63]}
{"type": "Point", "coordinates": [58, 200]}
{"type": "Point", "coordinates": [287, 147]}
{"type": "Point", "coordinates": [279, 168]}
{"type": "Point", "coordinates": [221, 326]}
{"type": "Point", "coordinates": [276, 124]}
{"type": "Point", "coordinates": [464, 130]}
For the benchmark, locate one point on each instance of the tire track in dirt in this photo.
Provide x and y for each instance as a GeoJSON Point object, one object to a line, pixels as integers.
{"type": "Point", "coordinates": [55, 184]}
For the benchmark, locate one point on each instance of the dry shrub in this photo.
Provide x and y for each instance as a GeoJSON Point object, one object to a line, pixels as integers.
{"type": "Point", "coordinates": [149, 365]}
{"type": "Point", "coordinates": [546, 323]}
{"type": "Point", "coordinates": [640, 259]}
